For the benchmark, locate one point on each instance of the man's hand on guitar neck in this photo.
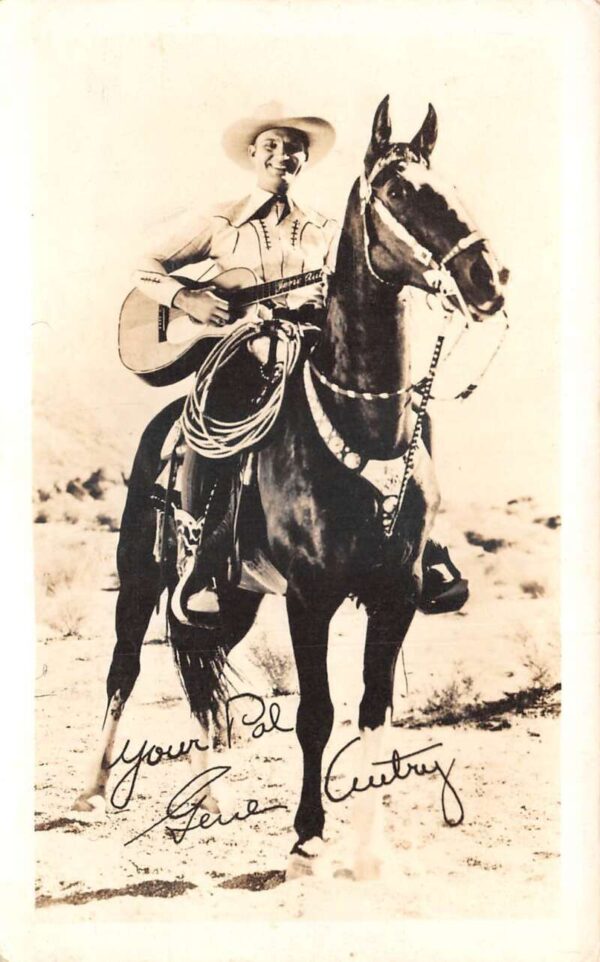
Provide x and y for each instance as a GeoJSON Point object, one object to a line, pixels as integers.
{"type": "Point", "coordinates": [204, 307]}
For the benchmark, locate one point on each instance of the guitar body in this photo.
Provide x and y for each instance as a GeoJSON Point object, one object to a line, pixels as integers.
{"type": "Point", "coordinates": [162, 345]}
{"type": "Point", "coordinates": [147, 345]}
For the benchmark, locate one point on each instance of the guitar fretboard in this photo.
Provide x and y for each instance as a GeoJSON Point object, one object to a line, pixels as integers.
{"type": "Point", "coordinates": [262, 292]}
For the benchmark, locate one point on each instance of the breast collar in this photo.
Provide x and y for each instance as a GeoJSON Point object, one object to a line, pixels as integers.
{"type": "Point", "coordinates": [385, 476]}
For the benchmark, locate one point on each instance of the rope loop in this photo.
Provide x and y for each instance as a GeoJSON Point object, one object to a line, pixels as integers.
{"type": "Point", "coordinates": [216, 439]}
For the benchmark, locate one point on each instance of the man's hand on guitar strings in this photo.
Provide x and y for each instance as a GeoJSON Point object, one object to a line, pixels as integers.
{"type": "Point", "coordinates": [204, 307]}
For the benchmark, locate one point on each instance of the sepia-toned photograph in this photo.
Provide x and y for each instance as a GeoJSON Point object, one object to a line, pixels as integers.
{"type": "Point", "coordinates": [297, 515]}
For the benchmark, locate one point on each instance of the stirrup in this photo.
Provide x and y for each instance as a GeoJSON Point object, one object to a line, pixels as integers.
{"type": "Point", "coordinates": [444, 588]}
{"type": "Point", "coordinates": [196, 609]}
{"type": "Point", "coordinates": [192, 603]}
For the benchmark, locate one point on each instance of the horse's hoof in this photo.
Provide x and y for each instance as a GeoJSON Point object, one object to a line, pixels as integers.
{"type": "Point", "coordinates": [303, 860]}
{"type": "Point", "coordinates": [90, 808]}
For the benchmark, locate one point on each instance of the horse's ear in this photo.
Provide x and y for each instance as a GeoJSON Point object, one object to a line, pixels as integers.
{"type": "Point", "coordinates": [381, 133]}
{"type": "Point", "coordinates": [424, 142]}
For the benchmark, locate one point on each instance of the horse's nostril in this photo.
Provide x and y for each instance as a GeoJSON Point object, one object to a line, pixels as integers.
{"type": "Point", "coordinates": [481, 274]}
{"type": "Point", "coordinates": [496, 305]}
{"type": "Point", "coordinates": [503, 275]}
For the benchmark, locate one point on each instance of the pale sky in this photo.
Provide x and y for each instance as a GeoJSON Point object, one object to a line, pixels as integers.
{"type": "Point", "coordinates": [128, 119]}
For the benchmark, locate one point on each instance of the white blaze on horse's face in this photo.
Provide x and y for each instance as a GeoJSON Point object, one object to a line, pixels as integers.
{"type": "Point", "coordinates": [432, 213]}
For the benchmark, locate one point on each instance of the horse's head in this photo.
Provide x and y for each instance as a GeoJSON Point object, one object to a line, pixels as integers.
{"type": "Point", "coordinates": [416, 224]}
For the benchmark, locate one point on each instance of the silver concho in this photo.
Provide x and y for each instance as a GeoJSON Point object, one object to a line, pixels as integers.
{"type": "Point", "coordinates": [352, 460]}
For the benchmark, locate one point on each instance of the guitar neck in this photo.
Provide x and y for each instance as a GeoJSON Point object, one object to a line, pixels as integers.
{"type": "Point", "coordinates": [262, 292]}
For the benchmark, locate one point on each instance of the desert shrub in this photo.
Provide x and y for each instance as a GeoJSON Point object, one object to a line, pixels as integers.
{"type": "Point", "coordinates": [538, 664]}
{"type": "Point", "coordinates": [63, 599]}
{"type": "Point", "coordinates": [534, 661]}
{"type": "Point", "coordinates": [488, 544]}
{"type": "Point", "coordinates": [66, 614]}
{"type": "Point", "coordinates": [107, 521]}
{"type": "Point", "coordinates": [539, 670]}
{"type": "Point", "coordinates": [533, 588]}
{"type": "Point", "coordinates": [67, 567]}
{"type": "Point", "coordinates": [553, 522]}
{"type": "Point", "coordinates": [278, 666]}
{"type": "Point", "coordinates": [75, 489]}
{"type": "Point", "coordinates": [449, 701]}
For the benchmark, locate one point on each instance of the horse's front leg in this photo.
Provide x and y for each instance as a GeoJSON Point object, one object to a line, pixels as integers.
{"type": "Point", "coordinates": [309, 627]}
{"type": "Point", "coordinates": [386, 631]}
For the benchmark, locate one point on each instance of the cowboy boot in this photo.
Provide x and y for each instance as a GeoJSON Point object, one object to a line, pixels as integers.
{"type": "Point", "coordinates": [444, 588]}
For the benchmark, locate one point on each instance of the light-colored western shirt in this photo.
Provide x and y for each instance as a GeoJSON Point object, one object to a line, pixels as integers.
{"type": "Point", "coordinates": [241, 234]}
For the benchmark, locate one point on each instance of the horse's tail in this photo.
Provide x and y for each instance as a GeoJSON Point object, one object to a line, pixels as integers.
{"type": "Point", "coordinates": [201, 654]}
{"type": "Point", "coordinates": [201, 658]}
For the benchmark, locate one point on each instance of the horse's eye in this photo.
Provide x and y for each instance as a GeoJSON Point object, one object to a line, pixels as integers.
{"type": "Point", "coordinates": [396, 192]}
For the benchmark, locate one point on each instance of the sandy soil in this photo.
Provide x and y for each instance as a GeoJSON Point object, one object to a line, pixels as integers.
{"type": "Point", "coordinates": [482, 682]}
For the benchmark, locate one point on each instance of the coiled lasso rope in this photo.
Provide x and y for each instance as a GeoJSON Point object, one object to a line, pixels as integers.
{"type": "Point", "coordinates": [216, 439]}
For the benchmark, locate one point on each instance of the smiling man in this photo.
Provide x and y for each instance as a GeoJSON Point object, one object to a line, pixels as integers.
{"type": "Point", "coordinates": [266, 231]}
{"type": "Point", "coordinates": [269, 232]}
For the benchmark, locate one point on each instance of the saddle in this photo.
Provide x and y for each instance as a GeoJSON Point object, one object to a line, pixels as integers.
{"type": "Point", "coordinates": [231, 534]}
{"type": "Point", "coordinates": [250, 566]}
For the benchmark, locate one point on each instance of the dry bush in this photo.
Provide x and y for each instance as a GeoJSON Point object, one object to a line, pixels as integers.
{"type": "Point", "coordinates": [488, 544]}
{"type": "Point", "coordinates": [66, 613]}
{"type": "Point", "coordinates": [533, 588]}
{"type": "Point", "coordinates": [66, 566]}
{"type": "Point", "coordinates": [536, 663]}
{"type": "Point", "coordinates": [278, 665]}
{"type": "Point", "coordinates": [105, 520]}
{"type": "Point", "coordinates": [451, 700]}
{"type": "Point", "coordinates": [65, 577]}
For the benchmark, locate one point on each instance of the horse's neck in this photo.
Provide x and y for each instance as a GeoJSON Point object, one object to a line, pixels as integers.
{"type": "Point", "coordinates": [364, 347]}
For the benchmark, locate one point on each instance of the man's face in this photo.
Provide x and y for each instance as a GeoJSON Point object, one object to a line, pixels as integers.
{"type": "Point", "coordinates": [278, 156]}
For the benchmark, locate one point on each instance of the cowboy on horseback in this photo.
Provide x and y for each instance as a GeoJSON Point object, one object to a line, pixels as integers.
{"type": "Point", "coordinates": [275, 237]}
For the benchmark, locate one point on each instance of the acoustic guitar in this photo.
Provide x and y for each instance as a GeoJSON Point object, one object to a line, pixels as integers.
{"type": "Point", "coordinates": [162, 344]}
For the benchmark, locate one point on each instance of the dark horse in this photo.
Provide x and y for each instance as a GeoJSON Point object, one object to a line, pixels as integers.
{"type": "Point", "coordinates": [324, 519]}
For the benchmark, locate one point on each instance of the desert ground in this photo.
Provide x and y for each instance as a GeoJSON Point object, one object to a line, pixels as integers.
{"type": "Point", "coordinates": [482, 685]}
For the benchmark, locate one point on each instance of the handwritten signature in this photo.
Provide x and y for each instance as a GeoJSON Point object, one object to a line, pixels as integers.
{"type": "Point", "coordinates": [188, 800]}
{"type": "Point", "coordinates": [401, 769]}
{"type": "Point", "coordinates": [187, 805]}
{"type": "Point", "coordinates": [256, 717]}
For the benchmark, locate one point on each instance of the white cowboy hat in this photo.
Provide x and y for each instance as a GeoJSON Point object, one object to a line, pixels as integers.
{"type": "Point", "coordinates": [240, 135]}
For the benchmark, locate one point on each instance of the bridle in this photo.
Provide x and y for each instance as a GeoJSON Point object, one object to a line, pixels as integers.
{"type": "Point", "coordinates": [440, 278]}
{"type": "Point", "coordinates": [437, 275]}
